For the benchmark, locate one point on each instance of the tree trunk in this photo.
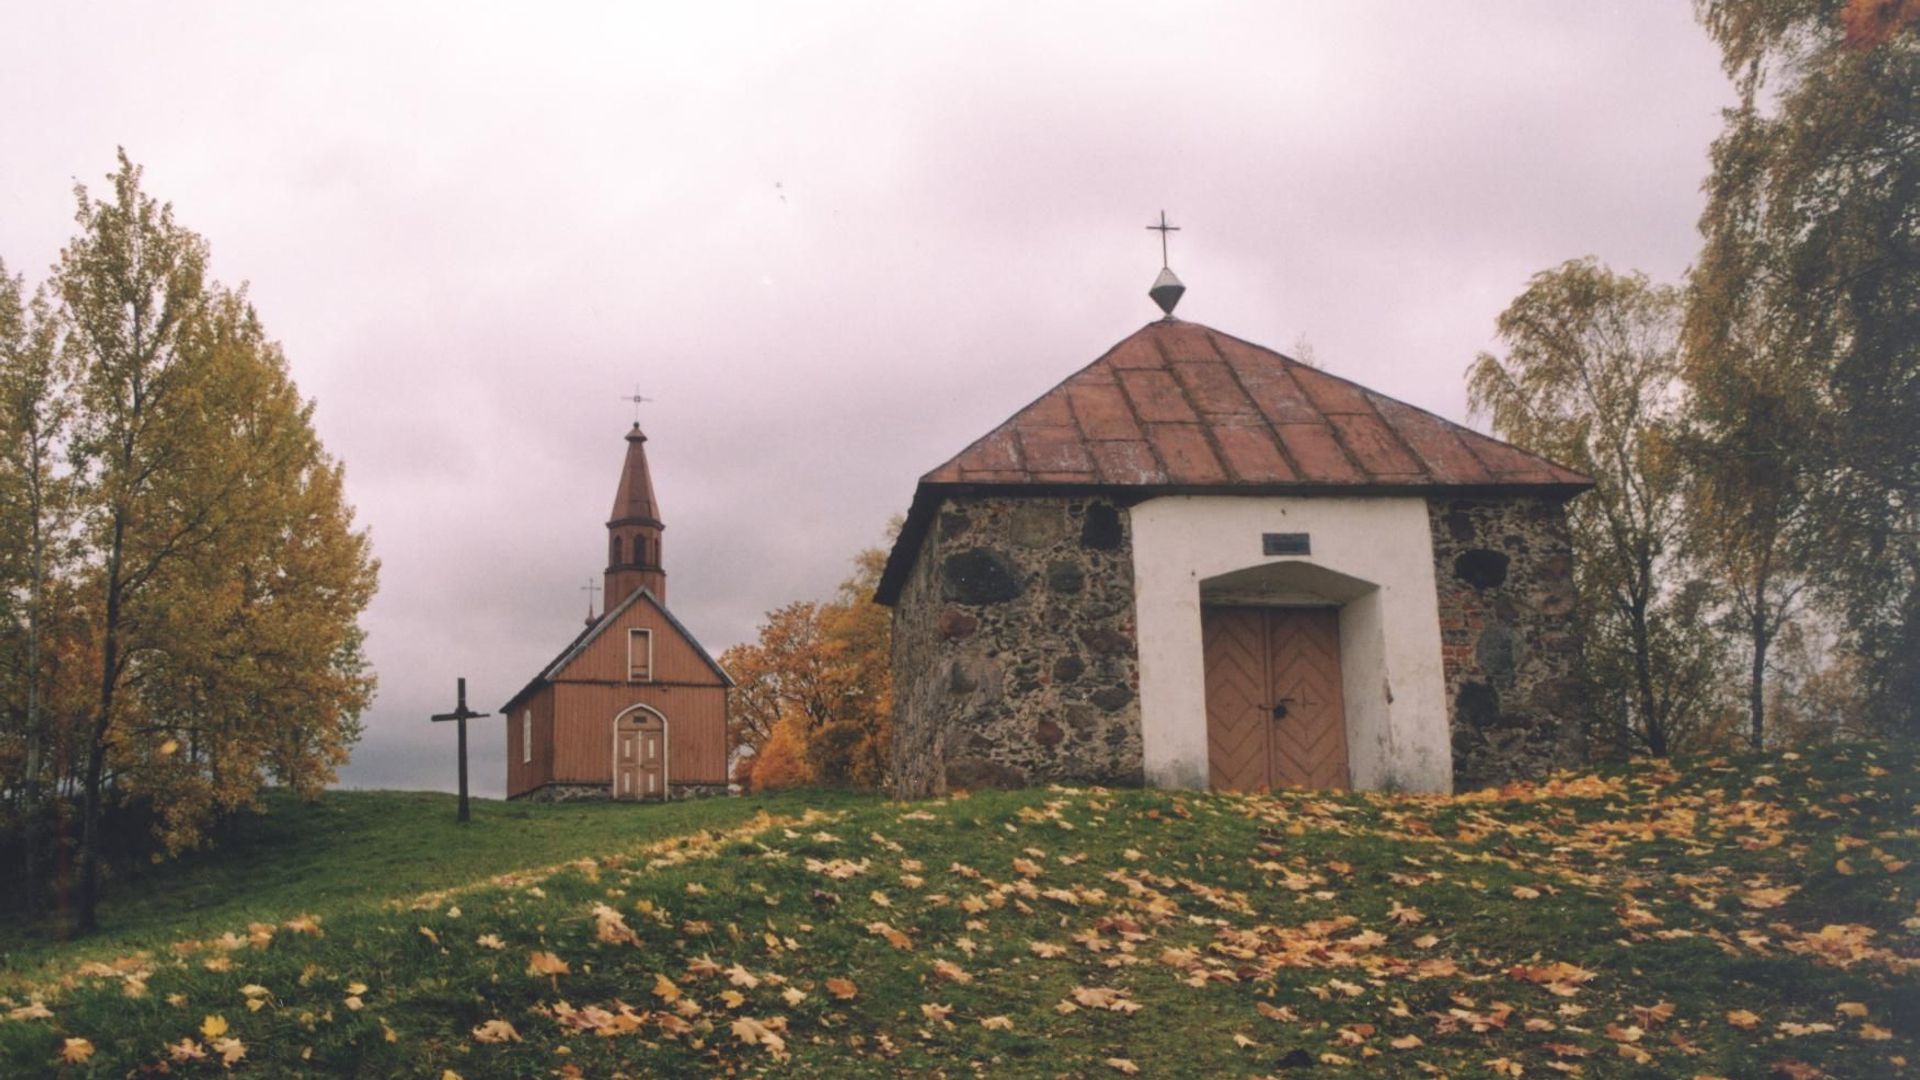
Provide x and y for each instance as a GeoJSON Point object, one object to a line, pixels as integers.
{"type": "Point", "coordinates": [30, 787]}
{"type": "Point", "coordinates": [87, 917]}
{"type": "Point", "coordinates": [1655, 728]}
{"type": "Point", "coordinates": [1757, 682]}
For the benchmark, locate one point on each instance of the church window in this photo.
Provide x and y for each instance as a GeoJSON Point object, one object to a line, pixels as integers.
{"type": "Point", "coordinates": [614, 559]}
{"type": "Point", "coordinates": [526, 737]}
{"type": "Point", "coordinates": [639, 656]}
{"type": "Point", "coordinates": [640, 550]}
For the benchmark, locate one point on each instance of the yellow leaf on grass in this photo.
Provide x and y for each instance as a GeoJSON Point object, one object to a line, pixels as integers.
{"type": "Point", "coordinates": [75, 1051]}
{"type": "Point", "coordinates": [427, 932]}
{"type": "Point", "coordinates": [1743, 1019]}
{"type": "Point", "coordinates": [1522, 892]}
{"type": "Point", "coordinates": [495, 1031]}
{"type": "Point", "coordinates": [732, 999]}
{"type": "Point", "coordinates": [843, 989]}
{"type": "Point", "coordinates": [997, 1023]}
{"type": "Point", "coordinates": [1852, 1008]}
{"type": "Point", "coordinates": [186, 1050]}
{"type": "Point", "coordinates": [1406, 1042]}
{"type": "Point", "coordinates": [751, 1031]}
{"type": "Point", "coordinates": [1242, 1041]}
{"type": "Point", "coordinates": [1122, 1065]}
{"type": "Point", "coordinates": [490, 941]}
{"type": "Point", "coordinates": [213, 1026]}
{"type": "Point", "coordinates": [664, 989]}
{"type": "Point", "coordinates": [936, 1013]}
{"type": "Point", "coordinates": [230, 1051]}
{"type": "Point", "coordinates": [545, 963]}
{"type": "Point", "coordinates": [951, 972]}
{"type": "Point", "coordinates": [1875, 1033]}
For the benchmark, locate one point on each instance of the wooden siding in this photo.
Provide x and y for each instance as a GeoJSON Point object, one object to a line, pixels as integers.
{"type": "Point", "coordinates": [524, 777]}
{"type": "Point", "coordinates": [675, 660]}
{"type": "Point", "coordinates": [582, 744]}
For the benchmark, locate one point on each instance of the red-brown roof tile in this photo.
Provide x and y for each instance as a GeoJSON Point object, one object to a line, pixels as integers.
{"type": "Point", "coordinates": [1179, 405]}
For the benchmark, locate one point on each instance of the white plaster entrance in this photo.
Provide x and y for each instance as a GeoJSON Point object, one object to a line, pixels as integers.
{"type": "Point", "coordinates": [1370, 558]}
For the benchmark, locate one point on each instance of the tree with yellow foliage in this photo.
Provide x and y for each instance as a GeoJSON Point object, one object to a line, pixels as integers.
{"type": "Point", "coordinates": [813, 696]}
{"type": "Point", "coordinates": [216, 577]}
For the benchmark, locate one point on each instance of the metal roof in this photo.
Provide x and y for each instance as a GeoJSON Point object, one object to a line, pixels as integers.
{"type": "Point", "coordinates": [1180, 408]}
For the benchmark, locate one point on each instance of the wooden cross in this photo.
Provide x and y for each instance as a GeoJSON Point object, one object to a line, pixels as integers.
{"type": "Point", "coordinates": [1163, 229]}
{"type": "Point", "coordinates": [461, 714]}
{"type": "Point", "coordinates": [638, 401]}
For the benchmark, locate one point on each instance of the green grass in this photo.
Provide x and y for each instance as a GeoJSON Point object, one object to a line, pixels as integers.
{"type": "Point", "coordinates": [1620, 925]}
{"type": "Point", "coordinates": [353, 850]}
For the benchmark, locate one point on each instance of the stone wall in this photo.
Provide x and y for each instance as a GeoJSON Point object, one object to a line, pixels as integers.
{"type": "Point", "coordinates": [1510, 646]}
{"type": "Point", "coordinates": [1014, 651]}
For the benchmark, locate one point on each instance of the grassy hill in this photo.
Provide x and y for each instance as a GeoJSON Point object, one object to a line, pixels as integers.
{"type": "Point", "coordinates": [1734, 919]}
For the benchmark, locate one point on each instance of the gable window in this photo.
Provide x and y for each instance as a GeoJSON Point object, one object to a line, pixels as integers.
{"type": "Point", "coordinates": [639, 656]}
{"type": "Point", "coordinates": [526, 737]}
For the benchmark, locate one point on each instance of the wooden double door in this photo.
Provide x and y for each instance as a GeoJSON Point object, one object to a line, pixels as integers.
{"type": "Point", "coordinates": [1275, 717]}
{"type": "Point", "coordinates": [640, 756]}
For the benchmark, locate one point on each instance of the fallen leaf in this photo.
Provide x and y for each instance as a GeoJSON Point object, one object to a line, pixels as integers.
{"type": "Point", "coordinates": [230, 1051]}
{"type": "Point", "coordinates": [843, 989]}
{"type": "Point", "coordinates": [1122, 1065]}
{"type": "Point", "coordinates": [495, 1031]}
{"type": "Point", "coordinates": [75, 1051]}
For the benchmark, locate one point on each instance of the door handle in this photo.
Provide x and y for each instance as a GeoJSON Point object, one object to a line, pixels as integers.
{"type": "Point", "coordinates": [1280, 708]}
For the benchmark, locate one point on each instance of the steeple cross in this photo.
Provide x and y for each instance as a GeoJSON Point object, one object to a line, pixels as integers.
{"type": "Point", "coordinates": [638, 401]}
{"type": "Point", "coordinates": [590, 588]}
{"type": "Point", "coordinates": [1163, 229]}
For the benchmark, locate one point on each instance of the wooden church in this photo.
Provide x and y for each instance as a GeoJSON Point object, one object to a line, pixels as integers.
{"type": "Point", "coordinates": [633, 708]}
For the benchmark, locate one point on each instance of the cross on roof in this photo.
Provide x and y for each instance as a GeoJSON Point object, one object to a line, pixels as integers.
{"type": "Point", "coordinates": [1163, 229]}
{"type": "Point", "coordinates": [638, 400]}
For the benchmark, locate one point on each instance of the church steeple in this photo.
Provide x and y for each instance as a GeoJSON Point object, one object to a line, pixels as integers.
{"type": "Point", "coordinates": [633, 532]}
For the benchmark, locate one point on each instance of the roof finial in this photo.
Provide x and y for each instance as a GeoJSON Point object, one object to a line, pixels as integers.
{"type": "Point", "coordinates": [590, 588]}
{"type": "Point", "coordinates": [638, 401]}
{"type": "Point", "coordinates": [1167, 288]}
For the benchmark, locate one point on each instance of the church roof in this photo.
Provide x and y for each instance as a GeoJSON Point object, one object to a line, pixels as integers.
{"type": "Point", "coordinates": [593, 630]}
{"type": "Point", "coordinates": [1181, 408]}
{"type": "Point", "coordinates": [633, 500]}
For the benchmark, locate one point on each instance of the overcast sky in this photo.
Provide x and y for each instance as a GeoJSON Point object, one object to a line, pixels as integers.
{"type": "Point", "coordinates": [836, 242]}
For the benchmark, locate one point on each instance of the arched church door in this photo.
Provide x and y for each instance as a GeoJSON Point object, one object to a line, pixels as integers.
{"type": "Point", "coordinates": [640, 756]}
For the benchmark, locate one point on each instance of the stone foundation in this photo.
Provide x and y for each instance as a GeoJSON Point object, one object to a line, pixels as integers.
{"type": "Point", "coordinates": [1509, 644]}
{"type": "Point", "coordinates": [1014, 652]}
{"type": "Point", "coordinates": [559, 793]}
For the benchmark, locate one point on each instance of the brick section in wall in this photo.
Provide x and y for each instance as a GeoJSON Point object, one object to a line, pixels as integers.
{"type": "Point", "coordinates": [1014, 653]}
{"type": "Point", "coordinates": [1510, 646]}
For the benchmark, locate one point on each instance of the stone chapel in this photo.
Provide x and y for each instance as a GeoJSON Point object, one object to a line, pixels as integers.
{"type": "Point", "coordinates": [633, 708]}
{"type": "Point", "coordinates": [1198, 563]}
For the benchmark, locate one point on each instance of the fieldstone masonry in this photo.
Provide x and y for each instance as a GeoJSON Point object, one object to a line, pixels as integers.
{"type": "Point", "coordinates": [1014, 655]}
{"type": "Point", "coordinates": [1510, 647]}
